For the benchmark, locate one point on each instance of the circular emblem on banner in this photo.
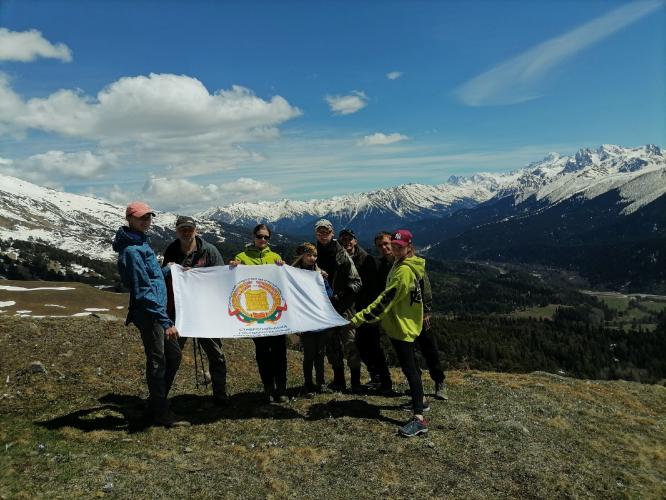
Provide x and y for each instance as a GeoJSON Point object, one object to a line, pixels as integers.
{"type": "Point", "coordinates": [256, 301]}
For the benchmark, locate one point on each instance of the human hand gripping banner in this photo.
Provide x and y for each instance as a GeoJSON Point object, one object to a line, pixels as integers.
{"type": "Point", "coordinates": [250, 301]}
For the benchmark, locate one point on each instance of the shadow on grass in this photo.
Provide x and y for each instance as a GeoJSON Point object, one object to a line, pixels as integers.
{"type": "Point", "coordinates": [355, 408]}
{"type": "Point", "coordinates": [195, 409]}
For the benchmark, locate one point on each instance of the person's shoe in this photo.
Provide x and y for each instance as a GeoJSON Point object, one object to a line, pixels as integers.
{"type": "Point", "coordinates": [221, 400]}
{"type": "Point", "coordinates": [169, 419]}
{"type": "Point", "coordinates": [265, 397]}
{"type": "Point", "coordinates": [358, 389]}
{"type": "Point", "coordinates": [309, 390]}
{"type": "Point", "coordinates": [408, 406]}
{"type": "Point", "coordinates": [280, 398]}
{"type": "Point", "coordinates": [440, 391]}
{"type": "Point", "coordinates": [337, 386]}
{"type": "Point", "coordinates": [414, 427]}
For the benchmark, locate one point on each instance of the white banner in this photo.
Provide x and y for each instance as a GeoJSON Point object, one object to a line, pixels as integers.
{"type": "Point", "coordinates": [250, 301]}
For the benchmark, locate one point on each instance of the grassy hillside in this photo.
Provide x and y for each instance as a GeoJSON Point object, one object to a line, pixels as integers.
{"type": "Point", "coordinates": [77, 431]}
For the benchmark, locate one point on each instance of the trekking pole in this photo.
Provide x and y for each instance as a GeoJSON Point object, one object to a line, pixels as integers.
{"type": "Point", "coordinates": [196, 371]}
{"type": "Point", "coordinates": [203, 368]}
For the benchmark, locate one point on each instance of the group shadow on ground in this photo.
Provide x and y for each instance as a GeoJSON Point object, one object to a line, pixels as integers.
{"type": "Point", "coordinates": [127, 413]}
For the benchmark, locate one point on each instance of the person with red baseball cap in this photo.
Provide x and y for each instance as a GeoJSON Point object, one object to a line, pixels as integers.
{"type": "Point", "coordinates": [141, 274]}
{"type": "Point", "coordinates": [399, 309]}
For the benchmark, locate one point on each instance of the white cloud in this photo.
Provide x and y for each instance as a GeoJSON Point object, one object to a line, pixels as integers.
{"type": "Point", "coordinates": [347, 104]}
{"type": "Point", "coordinates": [516, 80]}
{"type": "Point", "coordinates": [380, 139]}
{"type": "Point", "coordinates": [394, 75]}
{"type": "Point", "coordinates": [55, 166]}
{"type": "Point", "coordinates": [26, 46]}
{"type": "Point", "coordinates": [172, 194]}
{"type": "Point", "coordinates": [157, 120]}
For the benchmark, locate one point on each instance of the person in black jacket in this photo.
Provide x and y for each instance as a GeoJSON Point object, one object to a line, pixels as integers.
{"type": "Point", "coordinates": [189, 250]}
{"type": "Point", "coordinates": [368, 335]}
{"type": "Point", "coordinates": [345, 282]}
{"type": "Point", "coordinates": [426, 341]}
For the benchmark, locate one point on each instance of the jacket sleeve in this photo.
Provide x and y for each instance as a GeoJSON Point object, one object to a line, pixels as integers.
{"type": "Point", "coordinates": [426, 290]}
{"type": "Point", "coordinates": [396, 290]}
{"type": "Point", "coordinates": [215, 258]}
{"type": "Point", "coordinates": [142, 290]}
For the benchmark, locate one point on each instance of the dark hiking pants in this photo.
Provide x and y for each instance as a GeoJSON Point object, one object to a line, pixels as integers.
{"type": "Point", "coordinates": [217, 364]}
{"type": "Point", "coordinates": [271, 355]}
{"type": "Point", "coordinates": [407, 359]}
{"type": "Point", "coordinates": [368, 338]}
{"type": "Point", "coordinates": [427, 343]}
{"type": "Point", "coordinates": [314, 349]}
{"type": "Point", "coordinates": [162, 361]}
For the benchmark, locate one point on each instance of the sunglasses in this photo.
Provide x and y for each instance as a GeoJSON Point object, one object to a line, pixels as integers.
{"type": "Point", "coordinates": [262, 237]}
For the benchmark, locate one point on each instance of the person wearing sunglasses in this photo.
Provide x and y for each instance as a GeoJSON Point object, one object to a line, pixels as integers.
{"type": "Point", "coordinates": [271, 352]}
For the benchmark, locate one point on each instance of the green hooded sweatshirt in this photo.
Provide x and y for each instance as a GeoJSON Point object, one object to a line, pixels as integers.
{"type": "Point", "coordinates": [399, 308]}
{"type": "Point", "coordinates": [252, 256]}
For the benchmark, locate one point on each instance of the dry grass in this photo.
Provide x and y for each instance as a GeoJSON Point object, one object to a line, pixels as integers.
{"type": "Point", "coordinates": [77, 431]}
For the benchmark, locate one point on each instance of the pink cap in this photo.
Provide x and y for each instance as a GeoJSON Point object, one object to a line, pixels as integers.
{"type": "Point", "coordinates": [401, 237]}
{"type": "Point", "coordinates": [138, 209]}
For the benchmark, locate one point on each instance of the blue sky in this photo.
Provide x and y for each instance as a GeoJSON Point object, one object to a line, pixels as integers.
{"type": "Point", "coordinates": [196, 104]}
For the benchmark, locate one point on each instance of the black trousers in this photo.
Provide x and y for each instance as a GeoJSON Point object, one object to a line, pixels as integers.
{"type": "Point", "coordinates": [368, 338]}
{"type": "Point", "coordinates": [271, 355]}
{"type": "Point", "coordinates": [217, 364]}
{"type": "Point", "coordinates": [427, 343]}
{"type": "Point", "coordinates": [163, 357]}
{"type": "Point", "coordinates": [407, 359]}
{"type": "Point", "coordinates": [314, 349]}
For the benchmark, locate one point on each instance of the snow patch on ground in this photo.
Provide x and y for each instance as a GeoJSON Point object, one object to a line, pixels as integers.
{"type": "Point", "coordinates": [55, 305]}
{"type": "Point", "coordinates": [22, 289]}
{"type": "Point", "coordinates": [7, 303]}
{"type": "Point", "coordinates": [95, 309]}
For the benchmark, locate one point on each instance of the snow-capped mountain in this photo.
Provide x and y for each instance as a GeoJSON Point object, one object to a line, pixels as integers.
{"type": "Point", "coordinates": [589, 173]}
{"type": "Point", "coordinates": [74, 223]}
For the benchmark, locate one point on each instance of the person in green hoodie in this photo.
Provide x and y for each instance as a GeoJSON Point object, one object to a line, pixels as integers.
{"type": "Point", "coordinates": [271, 352]}
{"type": "Point", "coordinates": [399, 309]}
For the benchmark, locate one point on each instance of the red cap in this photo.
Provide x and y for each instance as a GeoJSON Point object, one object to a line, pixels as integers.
{"type": "Point", "coordinates": [401, 237]}
{"type": "Point", "coordinates": [138, 209]}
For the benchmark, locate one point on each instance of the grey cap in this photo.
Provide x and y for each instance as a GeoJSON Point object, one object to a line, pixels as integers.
{"type": "Point", "coordinates": [324, 223]}
{"type": "Point", "coordinates": [185, 221]}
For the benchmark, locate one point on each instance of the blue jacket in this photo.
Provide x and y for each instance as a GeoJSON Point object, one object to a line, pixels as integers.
{"type": "Point", "coordinates": [141, 273]}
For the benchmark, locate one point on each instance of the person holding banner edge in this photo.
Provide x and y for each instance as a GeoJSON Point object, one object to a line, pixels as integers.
{"type": "Point", "coordinates": [271, 352]}
{"type": "Point", "coordinates": [191, 251]}
{"type": "Point", "coordinates": [399, 308]}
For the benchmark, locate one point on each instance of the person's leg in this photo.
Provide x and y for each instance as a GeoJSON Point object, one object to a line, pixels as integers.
{"type": "Point", "coordinates": [217, 365]}
{"type": "Point", "coordinates": [364, 345]}
{"type": "Point", "coordinates": [262, 352]}
{"type": "Point", "coordinates": [350, 350]}
{"type": "Point", "coordinates": [427, 343]}
{"type": "Point", "coordinates": [309, 344]}
{"type": "Point", "coordinates": [405, 352]}
{"type": "Point", "coordinates": [335, 357]}
{"type": "Point", "coordinates": [321, 339]}
{"type": "Point", "coordinates": [379, 358]}
{"type": "Point", "coordinates": [279, 358]}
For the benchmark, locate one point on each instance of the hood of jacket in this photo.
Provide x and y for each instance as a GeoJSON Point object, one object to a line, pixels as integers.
{"type": "Point", "coordinates": [256, 253]}
{"type": "Point", "coordinates": [125, 237]}
{"type": "Point", "coordinates": [416, 264]}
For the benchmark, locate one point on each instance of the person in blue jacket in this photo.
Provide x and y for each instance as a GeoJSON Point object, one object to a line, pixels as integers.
{"type": "Point", "coordinates": [141, 273]}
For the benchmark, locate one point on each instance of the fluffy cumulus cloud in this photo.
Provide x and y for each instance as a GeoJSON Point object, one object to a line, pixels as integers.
{"type": "Point", "coordinates": [394, 75]}
{"type": "Point", "coordinates": [160, 120]}
{"type": "Point", "coordinates": [172, 194]}
{"type": "Point", "coordinates": [55, 166]}
{"type": "Point", "coordinates": [380, 139]}
{"type": "Point", "coordinates": [347, 104]}
{"type": "Point", "coordinates": [26, 46]}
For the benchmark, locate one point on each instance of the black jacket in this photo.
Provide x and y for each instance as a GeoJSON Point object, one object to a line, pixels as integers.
{"type": "Point", "coordinates": [342, 276]}
{"type": "Point", "coordinates": [366, 265]}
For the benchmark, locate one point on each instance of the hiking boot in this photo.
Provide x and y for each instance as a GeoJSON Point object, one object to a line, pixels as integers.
{"type": "Point", "coordinates": [414, 427]}
{"type": "Point", "coordinates": [358, 389]}
{"type": "Point", "coordinates": [408, 406]}
{"type": "Point", "coordinates": [221, 400]}
{"type": "Point", "coordinates": [169, 419]}
{"type": "Point", "coordinates": [280, 398]}
{"type": "Point", "coordinates": [385, 389]}
{"type": "Point", "coordinates": [440, 391]}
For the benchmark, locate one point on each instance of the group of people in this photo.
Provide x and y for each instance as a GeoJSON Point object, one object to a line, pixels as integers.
{"type": "Point", "coordinates": [389, 295]}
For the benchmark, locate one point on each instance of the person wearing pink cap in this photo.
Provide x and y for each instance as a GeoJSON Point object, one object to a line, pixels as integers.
{"type": "Point", "coordinates": [399, 309]}
{"type": "Point", "coordinates": [141, 274]}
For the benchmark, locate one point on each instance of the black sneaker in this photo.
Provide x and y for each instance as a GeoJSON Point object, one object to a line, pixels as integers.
{"type": "Point", "coordinates": [169, 419]}
{"type": "Point", "coordinates": [280, 398]}
{"type": "Point", "coordinates": [414, 427]}
{"type": "Point", "coordinates": [221, 400]}
{"type": "Point", "coordinates": [336, 387]}
{"type": "Point", "coordinates": [440, 391]}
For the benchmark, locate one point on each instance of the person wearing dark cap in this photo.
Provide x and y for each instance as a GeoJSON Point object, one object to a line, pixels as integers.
{"type": "Point", "coordinates": [345, 282]}
{"type": "Point", "coordinates": [368, 335]}
{"type": "Point", "coordinates": [190, 251]}
{"type": "Point", "coordinates": [141, 274]}
{"type": "Point", "coordinates": [399, 308]}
